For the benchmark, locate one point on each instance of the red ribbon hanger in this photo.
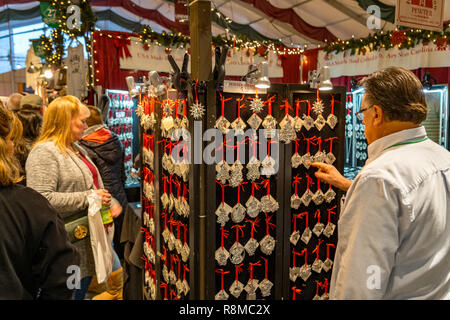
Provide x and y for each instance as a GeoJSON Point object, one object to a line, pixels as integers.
{"type": "Point", "coordinates": [297, 107]}
{"type": "Point", "coordinates": [293, 256]}
{"type": "Point", "coordinates": [325, 285]}
{"type": "Point", "coordinates": [328, 249]}
{"type": "Point", "coordinates": [333, 101]}
{"type": "Point", "coordinates": [164, 216]}
{"type": "Point", "coordinates": [318, 285]}
{"type": "Point", "coordinates": [317, 215]}
{"type": "Point", "coordinates": [223, 103]}
{"type": "Point", "coordinates": [222, 273]}
{"type": "Point", "coordinates": [306, 215]}
{"type": "Point", "coordinates": [295, 290]}
{"type": "Point", "coordinates": [296, 144]}
{"type": "Point", "coordinates": [238, 144]}
{"type": "Point", "coordinates": [238, 270]}
{"type": "Point", "coordinates": [331, 143]}
{"type": "Point", "coordinates": [254, 142]}
{"type": "Point", "coordinates": [223, 190]}
{"type": "Point", "coordinates": [224, 234]}
{"type": "Point", "coordinates": [250, 268]}
{"type": "Point", "coordinates": [269, 224]}
{"type": "Point", "coordinates": [304, 253]}
{"type": "Point", "coordinates": [309, 181]}
{"type": "Point", "coordinates": [224, 145]}
{"type": "Point", "coordinates": [254, 186]}
{"type": "Point", "coordinates": [295, 182]}
{"type": "Point", "coordinates": [331, 212]}
{"type": "Point", "coordinates": [253, 224]}
{"type": "Point", "coordinates": [185, 190]}
{"type": "Point", "coordinates": [269, 103]}
{"type": "Point", "coordinates": [195, 89]}
{"type": "Point", "coordinates": [241, 185]}
{"type": "Point", "coordinates": [266, 184]}
{"type": "Point", "coordinates": [266, 267]}
{"type": "Point", "coordinates": [286, 107]}
{"type": "Point", "coordinates": [239, 228]}
{"type": "Point", "coordinates": [184, 271]}
{"type": "Point", "coordinates": [239, 105]}
{"type": "Point", "coordinates": [164, 285]}
{"type": "Point", "coordinates": [269, 142]}
{"type": "Point", "coordinates": [317, 248]}
{"type": "Point", "coordinates": [309, 105]}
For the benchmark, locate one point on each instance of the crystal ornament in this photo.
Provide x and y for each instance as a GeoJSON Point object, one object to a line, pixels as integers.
{"type": "Point", "coordinates": [256, 105]}
{"type": "Point", "coordinates": [197, 110]}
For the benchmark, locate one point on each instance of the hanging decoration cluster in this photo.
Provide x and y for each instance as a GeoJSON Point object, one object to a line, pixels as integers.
{"type": "Point", "coordinates": [66, 12]}
{"type": "Point", "coordinates": [403, 39]}
{"type": "Point", "coordinates": [176, 39]}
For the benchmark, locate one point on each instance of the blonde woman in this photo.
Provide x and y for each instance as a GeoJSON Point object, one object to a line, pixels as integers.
{"type": "Point", "coordinates": [35, 251]}
{"type": "Point", "coordinates": [60, 169]}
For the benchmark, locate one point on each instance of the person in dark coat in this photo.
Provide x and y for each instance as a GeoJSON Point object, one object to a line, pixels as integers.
{"type": "Point", "coordinates": [106, 151]}
{"type": "Point", "coordinates": [37, 260]}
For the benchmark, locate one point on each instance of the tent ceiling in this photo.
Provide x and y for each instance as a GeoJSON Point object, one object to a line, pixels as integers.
{"type": "Point", "coordinates": [341, 18]}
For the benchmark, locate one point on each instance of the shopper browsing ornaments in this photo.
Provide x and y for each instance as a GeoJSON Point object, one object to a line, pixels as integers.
{"type": "Point", "coordinates": [35, 251]}
{"type": "Point", "coordinates": [60, 169]}
{"type": "Point", "coordinates": [394, 227]}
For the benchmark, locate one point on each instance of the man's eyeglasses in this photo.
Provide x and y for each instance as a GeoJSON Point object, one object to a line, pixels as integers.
{"type": "Point", "coordinates": [360, 114]}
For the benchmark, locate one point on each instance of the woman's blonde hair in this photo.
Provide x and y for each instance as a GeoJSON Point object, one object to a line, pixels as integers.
{"type": "Point", "coordinates": [56, 126]}
{"type": "Point", "coordinates": [9, 172]}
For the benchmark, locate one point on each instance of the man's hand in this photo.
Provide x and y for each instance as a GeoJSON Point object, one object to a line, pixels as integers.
{"type": "Point", "coordinates": [329, 174]}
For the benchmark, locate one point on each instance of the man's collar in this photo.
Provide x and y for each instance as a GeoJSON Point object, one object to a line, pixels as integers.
{"type": "Point", "coordinates": [378, 146]}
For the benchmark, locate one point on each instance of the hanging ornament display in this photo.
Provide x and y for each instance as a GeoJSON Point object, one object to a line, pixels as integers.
{"type": "Point", "coordinates": [237, 287]}
{"type": "Point", "coordinates": [267, 244]}
{"type": "Point", "coordinates": [294, 271]}
{"type": "Point", "coordinates": [238, 212]}
{"type": "Point", "coordinates": [253, 205]}
{"type": "Point", "coordinates": [222, 123]}
{"type": "Point", "coordinates": [238, 124]}
{"type": "Point", "coordinates": [252, 284]}
{"type": "Point", "coordinates": [308, 121]}
{"type": "Point", "coordinates": [268, 203]}
{"type": "Point", "coordinates": [332, 120]}
{"type": "Point", "coordinates": [270, 123]}
{"type": "Point", "coordinates": [307, 234]}
{"type": "Point", "coordinates": [236, 174]}
{"type": "Point", "coordinates": [295, 235]}
{"type": "Point", "coordinates": [266, 285]}
{"type": "Point", "coordinates": [298, 122]}
{"type": "Point", "coordinates": [197, 110]}
{"type": "Point", "coordinates": [221, 254]}
{"type": "Point", "coordinates": [307, 159]}
{"type": "Point", "coordinates": [252, 244]}
{"type": "Point", "coordinates": [330, 158]}
{"type": "Point", "coordinates": [318, 197]}
{"type": "Point", "coordinates": [296, 158]}
{"type": "Point", "coordinates": [269, 164]}
{"type": "Point", "coordinates": [318, 227]}
{"type": "Point", "coordinates": [287, 130]}
{"type": "Point", "coordinates": [295, 199]}
{"type": "Point", "coordinates": [330, 227]}
{"type": "Point", "coordinates": [305, 270]}
{"type": "Point", "coordinates": [253, 165]}
{"type": "Point", "coordinates": [317, 264]}
{"type": "Point", "coordinates": [328, 263]}
{"type": "Point", "coordinates": [237, 251]}
{"type": "Point", "coordinates": [222, 294]}
{"type": "Point", "coordinates": [308, 195]}
{"type": "Point", "coordinates": [223, 210]}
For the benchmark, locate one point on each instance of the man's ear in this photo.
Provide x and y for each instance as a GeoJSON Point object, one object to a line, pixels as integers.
{"type": "Point", "coordinates": [379, 116]}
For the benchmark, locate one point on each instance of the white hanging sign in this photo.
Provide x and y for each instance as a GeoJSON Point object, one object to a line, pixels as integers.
{"type": "Point", "coordinates": [155, 58]}
{"type": "Point", "coordinates": [421, 56]}
{"type": "Point", "coordinates": [422, 14]}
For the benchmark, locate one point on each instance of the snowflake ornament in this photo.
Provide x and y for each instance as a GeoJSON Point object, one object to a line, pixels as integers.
{"type": "Point", "coordinates": [197, 110]}
{"type": "Point", "coordinates": [168, 107]}
{"type": "Point", "coordinates": [256, 105]}
{"type": "Point", "coordinates": [318, 106]}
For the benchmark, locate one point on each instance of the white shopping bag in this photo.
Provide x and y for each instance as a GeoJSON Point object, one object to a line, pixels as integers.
{"type": "Point", "coordinates": [101, 246]}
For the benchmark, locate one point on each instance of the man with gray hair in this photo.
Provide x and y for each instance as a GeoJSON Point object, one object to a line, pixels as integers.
{"type": "Point", "coordinates": [13, 103]}
{"type": "Point", "coordinates": [394, 226]}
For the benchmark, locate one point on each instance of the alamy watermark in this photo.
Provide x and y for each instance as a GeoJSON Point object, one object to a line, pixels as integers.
{"type": "Point", "coordinates": [374, 20]}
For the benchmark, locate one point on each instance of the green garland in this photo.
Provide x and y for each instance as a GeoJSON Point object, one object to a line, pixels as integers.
{"type": "Point", "coordinates": [403, 39]}
{"type": "Point", "coordinates": [54, 44]}
{"type": "Point", "coordinates": [175, 39]}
